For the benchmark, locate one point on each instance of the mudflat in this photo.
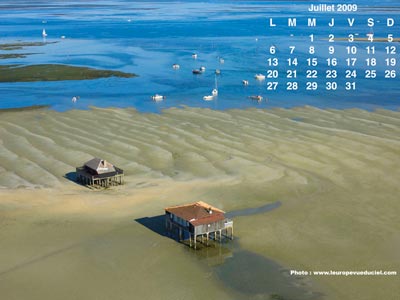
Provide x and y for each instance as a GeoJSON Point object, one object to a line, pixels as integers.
{"type": "Point", "coordinates": [335, 173]}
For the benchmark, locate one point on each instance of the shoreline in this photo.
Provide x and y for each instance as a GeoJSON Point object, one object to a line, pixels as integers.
{"type": "Point", "coordinates": [25, 108]}
{"type": "Point", "coordinates": [183, 107]}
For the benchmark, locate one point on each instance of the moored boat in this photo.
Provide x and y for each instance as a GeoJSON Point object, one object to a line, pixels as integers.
{"type": "Point", "coordinates": [259, 76]}
{"type": "Point", "coordinates": [208, 98]}
{"type": "Point", "coordinates": [257, 98]}
{"type": "Point", "coordinates": [157, 97]}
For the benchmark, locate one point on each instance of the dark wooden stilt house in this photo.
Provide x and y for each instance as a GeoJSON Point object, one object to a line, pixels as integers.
{"type": "Point", "coordinates": [198, 220]}
{"type": "Point", "coordinates": [99, 173]}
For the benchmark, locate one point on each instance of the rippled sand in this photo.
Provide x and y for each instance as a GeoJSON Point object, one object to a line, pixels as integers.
{"type": "Point", "coordinates": [335, 172]}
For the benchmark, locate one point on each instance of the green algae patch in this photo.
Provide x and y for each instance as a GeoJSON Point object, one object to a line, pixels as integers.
{"type": "Point", "coordinates": [54, 72]}
{"type": "Point", "coordinates": [21, 45]}
{"type": "Point", "coordinates": [15, 55]}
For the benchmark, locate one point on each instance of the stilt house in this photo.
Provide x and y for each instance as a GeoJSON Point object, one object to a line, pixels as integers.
{"type": "Point", "coordinates": [98, 172]}
{"type": "Point", "coordinates": [198, 220]}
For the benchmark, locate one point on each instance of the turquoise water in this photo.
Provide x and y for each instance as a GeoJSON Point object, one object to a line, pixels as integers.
{"type": "Point", "coordinates": [146, 38]}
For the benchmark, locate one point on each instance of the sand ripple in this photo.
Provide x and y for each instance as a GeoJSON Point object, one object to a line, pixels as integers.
{"type": "Point", "coordinates": [40, 147]}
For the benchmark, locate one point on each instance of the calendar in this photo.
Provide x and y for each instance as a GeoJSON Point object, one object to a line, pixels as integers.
{"type": "Point", "coordinates": [333, 48]}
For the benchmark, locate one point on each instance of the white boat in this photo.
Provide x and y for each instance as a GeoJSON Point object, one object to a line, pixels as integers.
{"type": "Point", "coordinates": [217, 72]}
{"type": "Point", "coordinates": [208, 98]}
{"type": "Point", "coordinates": [176, 66]}
{"type": "Point", "coordinates": [44, 34]}
{"type": "Point", "coordinates": [221, 60]}
{"type": "Point", "coordinates": [194, 56]}
{"type": "Point", "coordinates": [245, 82]}
{"type": "Point", "coordinates": [202, 68]}
{"type": "Point", "coordinates": [259, 76]}
{"type": "Point", "coordinates": [157, 97]}
{"type": "Point", "coordinates": [257, 98]}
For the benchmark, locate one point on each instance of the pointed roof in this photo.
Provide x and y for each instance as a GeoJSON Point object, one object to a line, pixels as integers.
{"type": "Point", "coordinates": [197, 213]}
{"type": "Point", "coordinates": [101, 166]}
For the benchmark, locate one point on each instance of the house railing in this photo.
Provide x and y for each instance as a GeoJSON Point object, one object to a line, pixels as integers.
{"type": "Point", "coordinates": [228, 223]}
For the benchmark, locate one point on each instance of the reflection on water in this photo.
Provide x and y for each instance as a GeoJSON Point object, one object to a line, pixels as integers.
{"type": "Point", "coordinates": [216, 253]}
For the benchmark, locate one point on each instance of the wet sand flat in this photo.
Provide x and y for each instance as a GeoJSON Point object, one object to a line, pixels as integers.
{"type": "Point", "coordinates": [335, 174]}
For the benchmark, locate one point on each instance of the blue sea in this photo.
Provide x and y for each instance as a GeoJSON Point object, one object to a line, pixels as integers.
{"type": "Point", "coordinates": [148, 37]}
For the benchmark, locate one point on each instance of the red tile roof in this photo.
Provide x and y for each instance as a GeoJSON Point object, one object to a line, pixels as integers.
{"type": "Point", "coordinates": [198, 213]}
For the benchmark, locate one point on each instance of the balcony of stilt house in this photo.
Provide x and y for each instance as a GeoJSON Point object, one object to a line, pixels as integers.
{"type": "Point", "coordinates": [99, 173]}
{"type": "Point", "coordinates": [199, 221]}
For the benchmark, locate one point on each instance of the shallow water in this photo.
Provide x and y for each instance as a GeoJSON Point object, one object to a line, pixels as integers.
{"type": "Point", "coordinates": [252, 276]}
{"type": "Point", "coordinates": [148, 37]}
{"type": "Point", "coordinates": [253, 211]}
{"type": "Point", "coordinates": [257, 277]}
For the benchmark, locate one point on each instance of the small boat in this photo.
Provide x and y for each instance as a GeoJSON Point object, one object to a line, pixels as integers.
{"type": "Point", "coordinates": [157, 97]}
{"type": "Point", "coordinates": [259, 76]}
{"type": "Point", "coordinates": [221, 60]}
{"type": "Point", "coordinates": [194, 55]}
{"type": "Point", "coordinates": [44, 34]}
{"type": "Point", "coordinates": [196, 71]}
{"type": "Point", "coordinates": [176, 66]}
{"type": "Point", "coordinates": [217, 72]}
{"type": "Point", "coordinates": [257, 98]}
{"type": "Point", "coordinates": [245, 82]}
{"type": "Point", "coordinates": [202, 68]}
{"type": "Point", "coordinates": [208, 98]}
{"type": "Point", "coordinates": [74, 99]}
